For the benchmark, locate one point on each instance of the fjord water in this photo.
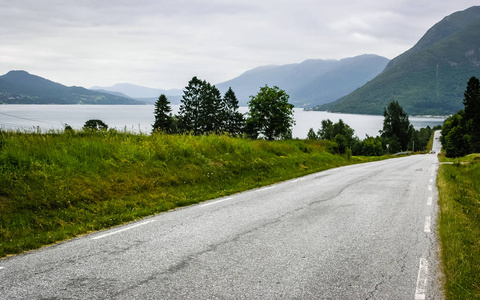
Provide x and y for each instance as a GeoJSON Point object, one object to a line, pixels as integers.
{"type": "Point", "coordinates": [139, 118]}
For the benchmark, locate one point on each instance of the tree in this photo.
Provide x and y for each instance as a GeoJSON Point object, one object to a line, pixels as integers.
{"type": "Point", "coordinates": [472, 113]}
{"type": "Point", "coordinates": [163, 116]}
{"type": "Point", "coordinates": [202, 109]}
{"type": "Point", "coordinates": [233, 121]}
{"type": "Point", "coordinates": [338, 132]}
{"type": "Point", "coordinates": [94, 125]}
{"type": "Point", "coordinates": [455, 138]}
{"type": "Point", "coordinates": [210, 120]}
{"type": "Point", "coordinates": [189, 112]}
{"type": "Point", "coordinates": [371, 146]}
{"type": "Point", "coordinates": [311, 135]}
{"type": "Point", "coordinates": [397, 130]}
{"type": "Point", "coordinates": [270, 114]}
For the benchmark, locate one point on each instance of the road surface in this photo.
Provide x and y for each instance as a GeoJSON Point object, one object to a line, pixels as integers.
{"type": "Point", "coordinates": [357, 232]}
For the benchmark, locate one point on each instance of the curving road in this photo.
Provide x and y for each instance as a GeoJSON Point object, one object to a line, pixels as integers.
{"type": "Point", "coordinates": [358, 232]}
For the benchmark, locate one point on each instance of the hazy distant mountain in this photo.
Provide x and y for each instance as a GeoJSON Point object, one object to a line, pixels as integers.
{"type": "Point", "coordinates": [311, 82]}
{"type": "Point", "coordinates": [135, 91]}
{"type": "Point", "coordinates": [20, 87]}
{"type": "Point", "coordinates": [428, 79]}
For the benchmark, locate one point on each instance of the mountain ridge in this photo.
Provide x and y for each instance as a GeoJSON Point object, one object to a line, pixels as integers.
{"type": "Point", "coordinates": [427, 79]}
{"type": "Point", "coordinates": [21, 87]}
{"type": "Point", "coordinates": [308, 83]}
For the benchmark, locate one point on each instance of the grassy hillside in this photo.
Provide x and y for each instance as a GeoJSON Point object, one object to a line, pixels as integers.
{"type": "Point", "coordinates": [428, 79]}
{"type": "Point", "coordinates": [60, 185]}
{"type": "Point", "coordinates": [459, 226]}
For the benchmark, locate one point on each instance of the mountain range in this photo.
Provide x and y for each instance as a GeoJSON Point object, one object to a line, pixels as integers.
{"type": "Point", "coordinates": [21, 87]}
{"type": "Point", "coordinates": [311, 82]}
{"type": "Point", "coordinates": [428, 79]}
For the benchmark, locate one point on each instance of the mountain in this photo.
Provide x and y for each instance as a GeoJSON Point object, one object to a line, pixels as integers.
{"type": "Point", "coordinates": [141, 92]}
{"type": "Point", "coordinates": [428, 79]}
{"type": "Point", "coordinates": [20, 87]}
{"type": "Point", "coordinates": [311, 82]}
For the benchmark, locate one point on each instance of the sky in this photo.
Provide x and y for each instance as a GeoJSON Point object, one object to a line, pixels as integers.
{"type": "Point", "coordinates": [163, 44]}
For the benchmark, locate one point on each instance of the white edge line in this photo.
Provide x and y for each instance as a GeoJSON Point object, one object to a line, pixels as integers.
{"type": "Point", "coordinates": [266, 188]}
{"type": "Point", "coordinates": [215, 202]}
{"type": "Point", "coordinates": [422, 280]}
{"type": "Point", "coordinates": [429, 200]}
{"type": "Point", "coordinates": [122, 230]}
{"type": "Point", "coordinates": [429, 187]}
{"type": "Point", "coordinates": [428, 224]}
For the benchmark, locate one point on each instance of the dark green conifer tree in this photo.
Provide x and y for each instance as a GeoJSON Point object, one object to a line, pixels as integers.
{"type": "Point", "coordinates": [163, 116]}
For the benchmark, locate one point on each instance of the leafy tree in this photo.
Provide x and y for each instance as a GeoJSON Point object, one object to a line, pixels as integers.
{"type": "Point", "coordinates": [311, 135]}
{"type": "Point", "coordinates": [163, 116]}
{"type": "Point", "coordinates": [233, 121]}
{"type": "Point", "coordinates": [270, 114]}
{"type": "Point", "coordinates": [338, 132]}
{"type": "Point", "coordinates": [371, 146]}
{"type": "Point", "coordinates": [455, 139]}
{"type": "Point", "coordinates": [397, 130]}
{"type": "Point", "coordinates": [94, 125]}
{"type": "Point", "coordinates": [472, 113]}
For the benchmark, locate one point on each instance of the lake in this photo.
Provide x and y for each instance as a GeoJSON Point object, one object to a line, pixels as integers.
{"type": "Point", "coordinates": [139, 118]}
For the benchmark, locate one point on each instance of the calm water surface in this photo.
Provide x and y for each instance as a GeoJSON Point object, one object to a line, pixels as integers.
{"type": "Point", "coordinates": [139, 118]}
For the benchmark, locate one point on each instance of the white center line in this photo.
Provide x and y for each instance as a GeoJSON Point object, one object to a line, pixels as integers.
{"type": "Point", "coordinates": [422, 280]}
{"type": "Point", "coordinates": [429, 201]}
{"type": "Point", "coordinates": [122, 230]}
{"type": "Point", "coordinates": [215, 202]}
{"type": "Point", "coordinates": [428, 224]}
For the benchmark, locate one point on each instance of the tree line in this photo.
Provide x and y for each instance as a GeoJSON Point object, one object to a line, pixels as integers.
{"type": "Point", "coordinates": [396, 136]}
{"type": "Point", "coordinates": [461, 131]}
{"type": "Point", "coordinates": [203, 110]}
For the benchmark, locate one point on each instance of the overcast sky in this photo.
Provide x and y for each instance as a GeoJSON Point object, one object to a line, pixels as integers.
{"type": "Point", "coordinates": [163, 44]}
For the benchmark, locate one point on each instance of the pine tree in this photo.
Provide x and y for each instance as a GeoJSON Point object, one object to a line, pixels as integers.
{"type": "Point", "coordinates": [232, 120]}
{"type": "Point", "coordinates": [210, 109]}
{"type": "Point", "coordinates": [163, 116]}
{"type": "Point", "coordinates": [189, 112]}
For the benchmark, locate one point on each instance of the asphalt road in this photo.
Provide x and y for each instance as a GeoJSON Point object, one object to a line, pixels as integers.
{"type": "Point", "coordinates": [358, 232]}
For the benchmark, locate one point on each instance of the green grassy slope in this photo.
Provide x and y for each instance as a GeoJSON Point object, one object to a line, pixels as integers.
{"type": "Point", "coordinates": [57, 186]}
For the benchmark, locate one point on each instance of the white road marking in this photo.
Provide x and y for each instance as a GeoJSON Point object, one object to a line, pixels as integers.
{"type": "Point", "coordinates": [266, 188]}
{"type": "Point", "coordinates": [428, 224]}
{"type": "Point", "coordinates": [422, 280]}
{"type": "Point", "coordinates": [122, 230]}
{"type": "Point", "coordinates": [215, 202]}
{"type": "Point", "coordinates": [2, 268]}
{"type": "Point", "coordinates": [429, 200]}
{"type": "Point", "coordinates": [431, 180]}
{"type": "Point", "coordinates": [298, 179]}
{"type": "Point", "coordinates": [429, 187]}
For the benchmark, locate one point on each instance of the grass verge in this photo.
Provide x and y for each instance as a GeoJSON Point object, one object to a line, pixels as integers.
{"type": "Point", "coordinates": [459, 225]}
{"type": "Point", "coordinates": [60, 185]}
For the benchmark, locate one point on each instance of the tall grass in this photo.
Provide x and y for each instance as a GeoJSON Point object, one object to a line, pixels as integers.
{"type": "Point", "coordinates": [59, 185]}
{"type": "Point", "coordinates": [459, 226]}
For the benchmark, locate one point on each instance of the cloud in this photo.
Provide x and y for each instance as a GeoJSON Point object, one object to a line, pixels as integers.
{"type": "Point", "coordinates": [164, 43]}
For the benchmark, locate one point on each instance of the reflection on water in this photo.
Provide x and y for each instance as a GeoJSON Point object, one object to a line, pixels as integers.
{"type": "Point", "coordinates": [139, 118]}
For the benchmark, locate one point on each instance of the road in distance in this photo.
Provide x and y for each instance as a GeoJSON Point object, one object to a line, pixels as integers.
{"type": "Point", "coordinates": [357, 232]}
